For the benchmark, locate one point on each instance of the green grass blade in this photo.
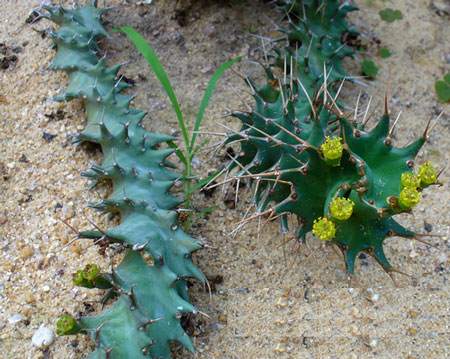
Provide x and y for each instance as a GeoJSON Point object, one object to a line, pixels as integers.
{"type": "Point", "coordinates": [206, 97]}
{"type": "Point", "coordinates": [179, 154]}
{"type": "Point", "coordinates": [157, 68]}
{"type": "Point", "coordinates": [204, 181]}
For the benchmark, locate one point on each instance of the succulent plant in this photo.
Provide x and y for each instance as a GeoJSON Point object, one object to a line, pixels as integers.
{"type": "Point", "coordinates": [145, 319]}
{"type": "Point", "coordinates": [303, 156]}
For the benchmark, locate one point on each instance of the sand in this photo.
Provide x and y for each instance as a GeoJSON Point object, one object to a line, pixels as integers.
{"type": "Point", "coordinates": [267, 306]}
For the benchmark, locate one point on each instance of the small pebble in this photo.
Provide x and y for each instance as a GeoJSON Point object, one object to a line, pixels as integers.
{"type": "Point", "coordinates": [354, 330]}
{"type": "Point", "coordinates": [373, 343]}
{"type": "Point", "coordinates": [428, 227]}
{"type": "Point", "coordinates": [414, 314]}
{"type": "Point", "coordinates": [3, 218]}
{"type": "Point", "coordinates": [26, 251]}
{"type": "Point", "coordinates": [43, 337]}
{"type": "Point", "coordinates": [356, 313]}
{"type": "Point", "coordinates": [210, 30]}
{"type": "Point", "coordinates": [196, 162]}
{"type": "Point", "coordinates": [29, 297]}
{"type": "Point", "coordinates": [375, 297]}
{"type": "Point", "coordinates": [15, 318]}
{"type": "Point", "coordinates": [206, 69]}
{"type": "Point", "coordinates": [48, 137]}
{"type": "Point", "coordinates": [318, 284]}
{"type": "Point", "coordinates": [159, 106]}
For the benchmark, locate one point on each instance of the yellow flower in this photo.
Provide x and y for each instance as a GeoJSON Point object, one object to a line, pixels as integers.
{"type": "Point", "coordinates": [409, 197]}
{"type": "Point", "coordinates": [410, 179]}
{"type": "Point", "coordinates": [341, 208]}
{"type": "Point", "coordinates": [427, 174]}
{"type": "Point", "coordinates": [324, 229]}
{"type": "Point", "coordinates": [332, 149]}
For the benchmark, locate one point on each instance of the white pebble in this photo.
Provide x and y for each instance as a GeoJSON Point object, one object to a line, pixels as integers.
{"type": "Point", "coordinates": [375, 297]}
{"type": "Point", "coordinates": [43, 337]}
{"type": "Point", "coordinates": [15, 318]}
{"type": "Point", "coordinates": [373, 343]}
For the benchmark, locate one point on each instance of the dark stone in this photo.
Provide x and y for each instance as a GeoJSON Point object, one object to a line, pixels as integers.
{"type": "Point", "coordinates": [48, 137]}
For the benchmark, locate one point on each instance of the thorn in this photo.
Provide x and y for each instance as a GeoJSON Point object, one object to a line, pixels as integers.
{"type": "Point", "coordinates": [68, 225]}
{"type": "Point", "coordinates": [151, 321]}
{"type": "Point", "coordinates": [356, 107]}
{"type": "Point", "coordinates": [264, 51]}
{"type": "Point", "coordinates": [140, 246]}
{"type": "Point", "coordinates": [108, 351]}
{"type": "Point", "coordinates": [387, 97]}
{"type": "Point", "coordinates": [202, 313]}
{"type": "Point", "coordinates": [210, 133]}
{"type": "Point", "coordinates": [309, 99]}
{"type": "Point", "coordinates": [365, 118]}
{"type": "Point", "coordinates": [101, 231]}
{"type": "Point", "coordinates": [340, 88]}
{"type": "Point", "coordinates": [417, 238]}
{"type": "Point", "coordinates": [240, 98]}
{"type": "Point", "coordinates": [391, 131]}
{"type": "Point", "coordinates": [325, 77]}
{"type": "Point", "coordinates": [69, 243]}
{"type": "Point", "coordinates": [428, 131]}
{"type": "Point", "coordinates": [400, 272]}
{"type": "Point", "coordinates": [283, 100]}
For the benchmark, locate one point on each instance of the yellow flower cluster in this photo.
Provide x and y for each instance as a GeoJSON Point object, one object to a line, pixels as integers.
{"type": "Point", "coordinates": [332, 148]}
{"type": "Point", "coordinates": [427, 174]}
{"type": "Point", "coordinates": [324, 229]}
{"type": "Point", "coordinates": [409, 197]}
{"type": "Point", "coordinates": [341, 208]}
{"type": "Point", "coordinates": [411, 183]}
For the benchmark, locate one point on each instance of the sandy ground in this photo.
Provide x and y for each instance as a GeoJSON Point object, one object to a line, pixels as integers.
{"type": "Point", "coordinates": [265, 307]}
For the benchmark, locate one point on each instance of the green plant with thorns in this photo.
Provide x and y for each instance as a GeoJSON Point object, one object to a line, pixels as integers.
{"type": "Point", "coordinates": [299, 150]}
{"type": "Point", "coordinates": [305, 157]}
{"type": "Point", "coordinates": [150, 282]}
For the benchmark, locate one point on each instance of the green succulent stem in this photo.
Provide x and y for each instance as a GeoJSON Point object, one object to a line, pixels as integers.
{"type": "Point", "coordinates": [145, 318]}
{"type": "Point", "coordinates": [344, 183]}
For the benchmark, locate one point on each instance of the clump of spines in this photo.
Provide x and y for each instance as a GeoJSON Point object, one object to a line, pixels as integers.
{"type": "Point", "coordinates": [304, 156]}
{"type": "Point", "coordinates": [146, 317]}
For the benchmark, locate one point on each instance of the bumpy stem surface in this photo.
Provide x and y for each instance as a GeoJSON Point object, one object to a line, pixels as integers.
{"type": "Point", "coordinates": [146, 317]}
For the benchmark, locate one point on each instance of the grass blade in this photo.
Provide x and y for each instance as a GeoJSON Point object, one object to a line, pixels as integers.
{"type": "Point", "coordinates": [179, 154]}
{"type": "Point", "coordinates": [204, 181]}
{"type": "Point", "coordinates": [206, 97]}
{"type": "Point", "coordinates": [157, 68]}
